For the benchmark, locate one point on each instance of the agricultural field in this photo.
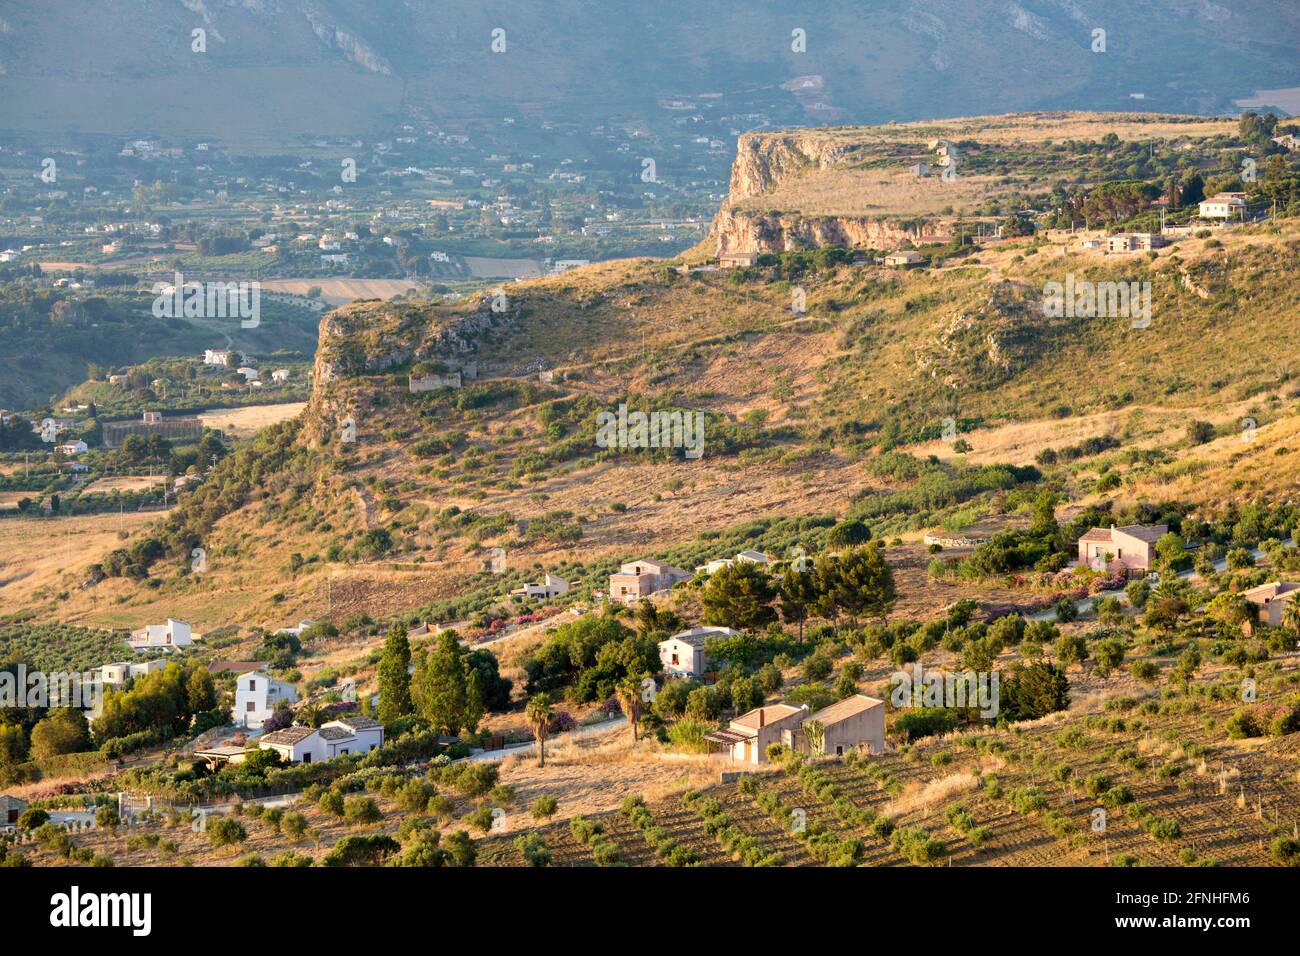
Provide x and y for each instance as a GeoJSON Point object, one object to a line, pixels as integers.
{"type": "Point", "coordinates": [247, 421]}
{"type": "Point", "coordinates": [342, 291]}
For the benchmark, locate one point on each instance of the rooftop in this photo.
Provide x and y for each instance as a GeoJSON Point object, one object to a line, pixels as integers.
{"type": "Point", "coordinates": [288, 736]}
{"type": "Point", "coordinates": [359, 722]}
{"type": "Point", "coordinates": [848, 707]}
{"type": "Point", "coordinates": [769, 714]}
{"type": "Point", "coordinates": [696, 636]}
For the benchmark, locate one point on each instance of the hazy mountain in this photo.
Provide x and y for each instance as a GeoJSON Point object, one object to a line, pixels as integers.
{"type": "Point", "coordinates": [275, 70]}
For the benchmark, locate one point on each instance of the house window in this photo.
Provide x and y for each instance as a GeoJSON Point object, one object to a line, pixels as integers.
{"type": "Point", "coordinates": [250, 707]}
{"type": "Point", "coordinates": [306, 757]}
{"type": "Point", "coordinates": [252, 685]}
{"type": "Point", "coordinates": [675, 660]}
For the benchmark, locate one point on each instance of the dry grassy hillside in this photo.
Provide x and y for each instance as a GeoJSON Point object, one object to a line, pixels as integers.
{"type": "Point", "coordinates": [799, 406]}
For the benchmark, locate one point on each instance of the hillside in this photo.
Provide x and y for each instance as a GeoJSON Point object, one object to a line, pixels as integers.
{"type": "Point", "coordinates": [350, 69]}
{"type": "Point", "coordinates": [855, 186]}
{"type": "Point", "coordinates": [800, 409]}
{"type": "Point", "coordinates": [810, 415]}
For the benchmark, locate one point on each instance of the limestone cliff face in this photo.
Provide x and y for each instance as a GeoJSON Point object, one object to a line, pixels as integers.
{"type": "Point", "coordinates": [373, 339]}
{"type": "Point", "coordinates": [764, 161]}
{"type": "Point", "coordinates": [743, 231]}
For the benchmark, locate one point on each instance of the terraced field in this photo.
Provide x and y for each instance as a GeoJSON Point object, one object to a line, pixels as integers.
{"type": "Point", "coordinates": [1174, 792]}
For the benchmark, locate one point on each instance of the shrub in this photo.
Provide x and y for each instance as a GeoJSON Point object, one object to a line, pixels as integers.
{"type": "Point", "coordinates": [584, 830]}
{"type": "Point", "coordinates": [461, 848]}
{"type": "Point", "coordinates": [225, 831]}
{"type": "Point", "coordinates": [361, 810]}
{"type": "Point", "coordinates": [481, 818]}
{"type": "Point", "coordinates": [331, 803]}
{"type": "Point", "coordinates": [1286, 851]}
{"type": "Point", "coordinates": [361, 851]}
{"type": "Point", "coordinates": [917, 846]}
{"type": "Point", "coordinates": [294, 825]}
{"type": "Point", "coordinates": [32, 818]}
{"type": "Point", "coordinates": [1243, 724]}
{"type": "Point", "coordinates": [544, 807]}
{"type": "Point", "coordinates": [533, 849]}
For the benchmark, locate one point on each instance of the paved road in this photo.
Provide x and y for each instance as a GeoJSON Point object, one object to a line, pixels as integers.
{"type": "Point", "coordinates": [494, 756]}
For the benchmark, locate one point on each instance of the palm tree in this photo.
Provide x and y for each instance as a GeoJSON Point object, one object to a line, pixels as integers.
{"type": "Point", "coordinates": [629, 701]}
{"type": "Point", "coordinates": [1291, 616]}
{"type": "Point", "coordinates": [538, 714]}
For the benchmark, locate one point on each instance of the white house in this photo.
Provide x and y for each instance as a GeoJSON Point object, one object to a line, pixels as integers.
{"type": "Point", "coordinates": [280, 376]}
{"type": "Point", "coordinates": [356, 735]}
{"type": "Point", "coordinates": [351, 735]}
{"type": "Point", "coordinates": [750, 556]}
{"type": "Point", "coordinates": [683, 654]}
{"type": "Point", "coordinates": [297, 629]}
{"type": "Point", "coordinates": [216, 356]}
{"type": "Point", "coordinates": [167, 636]}
{"type": "Point", "coordinates": [550, 586]}
{"type": "Point", "coordinates": [74, 447]}
{"type": "Point", "coordinates": [250, 374]}
{"type": "Point", "coordinates": [117, 674]}
{"type": "Point", "coordinates": [256, 696]}
{"type": "Point", "coordinates": [294, 744]}
{"type": "Point", "coordinates": [1223, 206]}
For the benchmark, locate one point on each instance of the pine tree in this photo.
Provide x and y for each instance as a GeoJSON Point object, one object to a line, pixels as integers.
{"type": "Point", "coordinates": [442, 688]}
{"type": "Point", "coordinates": [394, 679]}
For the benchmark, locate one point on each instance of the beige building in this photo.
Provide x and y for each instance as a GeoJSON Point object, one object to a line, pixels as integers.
{"type": "Point", "coordinates": [749, 735]}
{"type": "Point", "coordinates": [855, 724]}
{"type": "Point", "coordinates": [1135, 242]}
{"type": "Point", "coordinates": [639, 579]}
{"type": "Point", "coordinates": [1132, 546]}
{"type": "Point", "coordinates": [737, 260]}
{"type": "Point", "coordinates": [1272, 600]}
{"type": "Point", "coordinates": [901, 260]}
{"type": "Point", "coordinates": [683, 654]}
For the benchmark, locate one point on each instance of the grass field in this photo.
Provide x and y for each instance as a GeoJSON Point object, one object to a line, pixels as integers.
{"type": "Point", "coordinates": [341, 291]}
{"type": "Point", "coordinates": [247, 421]}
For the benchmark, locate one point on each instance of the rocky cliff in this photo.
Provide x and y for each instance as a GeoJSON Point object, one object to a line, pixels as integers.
{"type": "Point", "coordinates": [372, 338]}
{"type": "Point", "coordinates": [765, 161]}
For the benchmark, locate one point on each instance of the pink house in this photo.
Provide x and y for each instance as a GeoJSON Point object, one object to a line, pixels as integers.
{"type": "Point", "coordinates": [1132, 546]}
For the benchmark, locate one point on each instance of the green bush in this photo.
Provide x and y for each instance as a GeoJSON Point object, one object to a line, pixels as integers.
{"type": "Point", "coordinates": [225, 831]}
{"type": "Point", "coordinates": [544, 807]}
